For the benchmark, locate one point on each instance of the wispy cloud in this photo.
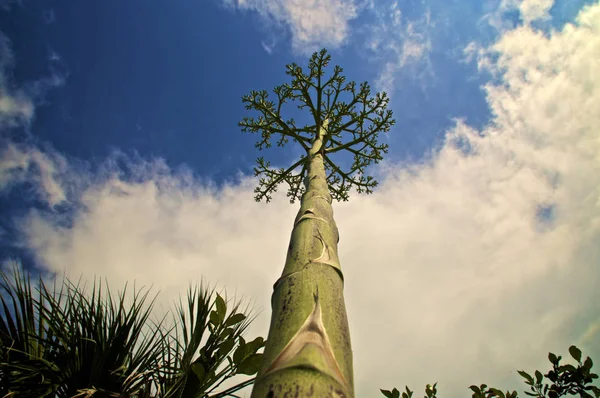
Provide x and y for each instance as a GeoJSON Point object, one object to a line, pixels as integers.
{"type": "Point", "coordinates": [267, 48]}
{"type": "Point", "coordinates": [529, 11]}
{"type": "Point", "coordinates": [25, 163]}
{"type": "Point", "coordinates": [21, 162]}
{"type": "Point", "coordinates": [16, 106]}
{"type": "Point", "coordinates": [17, 102]}
{"type": "Point", "coordinates": [54, 57]}
{"type": "Point", "coordinates": [398, 43]}
{"type": "Point", "coordinates": [6, 4]}
{"type": "Point", "coordinates": [49, 16]}
{"type": "Point", "coordinates": [312, 24]}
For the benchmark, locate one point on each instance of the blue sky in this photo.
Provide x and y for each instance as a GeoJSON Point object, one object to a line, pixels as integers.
{"type": "Point", "coordinates": [119, 146]}
{"type": "Point", "coordinates": [166, 80]}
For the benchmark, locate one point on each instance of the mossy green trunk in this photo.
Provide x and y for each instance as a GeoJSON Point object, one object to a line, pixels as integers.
{"type": "Point", "coordinates": [308, 352]}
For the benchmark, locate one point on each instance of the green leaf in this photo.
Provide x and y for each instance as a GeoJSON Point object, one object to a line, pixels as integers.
{"type": "Point", "coordinates": [214, 318]}
{"type": "Point", "coordinates": [395, 393]}
{"type": "Point", "coordinates": [475, 389]}
{"type": "Point", "coordinates": [552, 358]}
{"type": "Point", "coordinates": [226, 333]}
{"type": "Point", "coordinates": [240, 352]}
{"type": "Point", "coordinates": [226, 347]}
{"type": "Point", "coordinates": [588, 363]}
{"type": "Point", "coordinates": [255, 345]}
{"type": "Point", "coordinates": [235, 319]}
{"type": "Point", "coordinates": [526, 376]}
{"type": "Point", "coordinates": [497, 392]}
{"type": "Point", "coordinates": [538, 377]}
{"type": "Point", "coordinates": [387, 393]}
{"type": "Point", "coordinates": [211, 378]}
{"type": "Point", "coordinates": [250, 365]}
{"type": "Point", "coordinates": [567, 368]}
{"type": "Point", "coordinates": [198, 370]}
{"type": "Point", "coordinates": [221, 307]}
{"type": "Point", "coordinates": [575, 353]}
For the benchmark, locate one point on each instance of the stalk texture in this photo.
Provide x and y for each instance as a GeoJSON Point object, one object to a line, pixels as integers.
{"type": "Point", "coordinates": [308, 351]}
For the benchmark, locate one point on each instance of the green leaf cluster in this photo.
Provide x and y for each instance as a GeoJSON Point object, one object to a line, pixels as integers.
{"type": "Point", "coordinates": [566, 380]}
{"type": "Point", "coordinates": [74, 343]}
{"type": "Point", "coordinates": [223, 354]}
{"type": "Point", "coordinates": [351, 117]}
{"type": "Point", "coordinates": [430, 392]}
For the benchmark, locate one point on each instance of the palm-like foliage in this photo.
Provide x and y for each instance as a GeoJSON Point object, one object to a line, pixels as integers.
{"type": "Point", "coordinates": [70, 343]}
{"type": "Point", "coordinates": [22, 334]}
{"type": "Point", "coordinates": [98, 343]}
{"type": "Point", "coordinates": [67, 343]}
{"type": "Point", "coordinates": [196, 370]}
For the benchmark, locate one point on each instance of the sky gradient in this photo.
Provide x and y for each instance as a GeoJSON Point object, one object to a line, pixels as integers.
{"type": "Point", "coordinates": [120, 157]}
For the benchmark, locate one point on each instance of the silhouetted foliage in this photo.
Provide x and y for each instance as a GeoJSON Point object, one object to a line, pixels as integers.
{"type": "Point", "coordinates": [565, 380]}
{"type": "Point", "coordinates": [68, 343]}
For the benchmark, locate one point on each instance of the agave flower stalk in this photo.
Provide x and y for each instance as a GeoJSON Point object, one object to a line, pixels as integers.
{"type": "Point", "coordinates": [308, 350]}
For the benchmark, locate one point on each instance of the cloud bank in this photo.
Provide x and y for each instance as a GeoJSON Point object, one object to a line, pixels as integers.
{"type": "Point", "coordinates": [488, 256]}
{"type": "Point", "coordinates": [460, 269]}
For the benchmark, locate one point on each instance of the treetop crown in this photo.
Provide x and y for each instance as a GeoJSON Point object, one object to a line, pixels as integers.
{"type": "Point", "coordinates": [344, 118]}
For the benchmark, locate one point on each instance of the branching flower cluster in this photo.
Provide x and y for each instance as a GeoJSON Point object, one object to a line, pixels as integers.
{"type": "Point", "coordinates": [353, 121]}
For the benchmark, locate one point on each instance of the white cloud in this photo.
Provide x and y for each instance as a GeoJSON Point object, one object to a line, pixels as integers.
{"type": "Point", "coordinates": [529, 11]}
{"type": "Point", "coordinates": [20, 163]}
{"type": "Point", "coordinates": [24, 162]}
{"type": "Point", "coordinates": [16, 107]}
{"type": "Point", "coordinates": [17, 102]}
{"type": "Point", "coordinates": [267, 48]}
{"type": "Point", "coordinates": [449, 275]}
{"type": "Point", "coordinates": [398, 44]}
{"type": "Point", "coordinates": [532, 10]}
{"type": "Point", "coordinates": [312, 23]}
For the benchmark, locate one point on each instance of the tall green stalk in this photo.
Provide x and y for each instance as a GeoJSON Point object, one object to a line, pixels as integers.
{"type": "Point", "coordinates": [308, 350]}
